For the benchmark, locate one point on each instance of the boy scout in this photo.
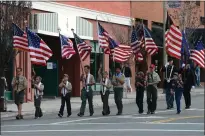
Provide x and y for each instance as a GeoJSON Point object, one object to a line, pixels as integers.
{"type": "Point", "coordinates": [38, 94]}
{"type": "Point", "coordinates": [118, 81]}
{"type": "Point", "coordinates": [140, 87]}
{"type": "Point", "coordinates": [19, 84]}
{"type": "Point", "coordinates": [66, 88]}
{"type": "Point", "coordinates": [152, 81]}
{"type": "Point", "coordinates": [87, 92]}
{"type": "Point", "coordinates": [105, 91]}
{"type": "Point", "coordinates": [178, 88]}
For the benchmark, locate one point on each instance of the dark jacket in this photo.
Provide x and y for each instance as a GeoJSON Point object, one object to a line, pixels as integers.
{"type": "Point", "coordinates": [189, 77]}
{"type": "Point", "coordinates": [127, 72]}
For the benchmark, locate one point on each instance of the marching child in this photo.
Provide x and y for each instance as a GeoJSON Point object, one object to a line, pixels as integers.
{"type": "Point", "coordinates": [140, 87]}
{"type": "Point", "coordinates": [177, 88]}
{"type": "Point", "coordinates": [38, 94]}
{"type": "Point", "coordinates": [66, 88]}
{"type": "Point", "coordinates": [105, 91]}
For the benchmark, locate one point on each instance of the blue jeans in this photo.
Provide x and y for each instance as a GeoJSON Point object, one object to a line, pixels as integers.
{"type": "Point", "coordinates": [169, 98]}
{"type": "Point", "coordinates": [178, 96]}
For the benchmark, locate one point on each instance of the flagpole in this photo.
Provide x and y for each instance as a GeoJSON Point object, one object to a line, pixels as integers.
{"type": "Point", "coordinates": [103, 66]}
{"type": "Point", "coordinates": [164, 31]}
{"type": "Point", "coordinates": [81, 63]}
{"type": "Point", "coordinates": [61, 45]}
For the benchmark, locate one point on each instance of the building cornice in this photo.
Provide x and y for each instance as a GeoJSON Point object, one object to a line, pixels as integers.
{"type": "Point", "coordinates": [81, 12]}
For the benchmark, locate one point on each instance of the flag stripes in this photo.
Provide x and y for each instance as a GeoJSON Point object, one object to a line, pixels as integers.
{"type": "Point", "coordinates": [20, 40]}
{"type": "Point", "coordinates": [173, 40]}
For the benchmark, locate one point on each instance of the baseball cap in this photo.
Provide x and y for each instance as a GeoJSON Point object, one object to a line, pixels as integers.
{"type": "Point", "coordinates": [152, 66]}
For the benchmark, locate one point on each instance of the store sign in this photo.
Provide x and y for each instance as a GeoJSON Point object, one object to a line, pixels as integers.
{"type": "Point", "coordinates": [49, 65]}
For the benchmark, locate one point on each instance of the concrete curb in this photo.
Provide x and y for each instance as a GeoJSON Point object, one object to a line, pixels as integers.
{"type": "Point", "coordinates": [95, 104]}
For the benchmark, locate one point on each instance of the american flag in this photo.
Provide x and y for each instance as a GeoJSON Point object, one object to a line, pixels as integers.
{"type": "Point", "coordinates": [105, 40]}
{"type": "Point", "coordinates": [83, 48]}
{"type": "Point", "coordinates": [198, 54]}
{"type": "Point", "coordinates": [173, 40]}
{"type": "Point", "coordinates": [20, 40]}
{"type": "Point", "coordinates": [67, 50]}
{"type": "Point", "coordinates": [139, 57]}
{"type": "Point", "coordinates": [150, 45]}
{"type": "Point", "coordinates": [121, 53]}
{"type": "Point", "coordinates": [39, 50]}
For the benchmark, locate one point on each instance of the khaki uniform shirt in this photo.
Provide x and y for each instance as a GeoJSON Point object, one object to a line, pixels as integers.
{"type": "Point", "coordinates": [153, 78]}
{"type": "Point", "coordinates": [38, 92]}
{"type": "Point", "coordinates": [109, 84]}
{"type": "Point", "coordinates": [122, 77]}
{"type": "Point", "coordinates": [69, 86]}
{"type": "Point", "coordinates": [22, 83]}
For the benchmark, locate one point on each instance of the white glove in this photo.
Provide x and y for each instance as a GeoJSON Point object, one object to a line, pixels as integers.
{"type": "Point", "coordinates": [193, 87]}
{"type": "Point", "coordinates": [166, 64]}
{"type": "Point", "coordinates": [183, 65]}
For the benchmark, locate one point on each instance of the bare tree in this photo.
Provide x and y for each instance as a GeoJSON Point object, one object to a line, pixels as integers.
{"type": "Point", "coordinates": [187, 17]}
{"type": "Point", "coordinates": [10, 11]}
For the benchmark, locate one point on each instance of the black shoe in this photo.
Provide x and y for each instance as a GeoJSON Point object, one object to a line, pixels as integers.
{"type": "Point", "coordinates": [178, 112]}
{"type": "Point", "coordinates": [18, 117]}
{"type": "Point", "coordinates": [68, 115]}
{"type": "Point", "coordinates": [153, 112]}
{"type": "Point", "coordinates": [108, 113]}
{"type": "Point", "coordinates": [103, 113]}
{"type": "Point", "coordinates": [21, 116]}
{"type": "Point", "coordinates": [187, 107]}
{"type": "Point", "coordinates": [119, 113]}
{"type": "Point", "coordinates": [80, 115]}
{"type": "Point", "coordinates": [148, 112]}
{"type": "Point", "coordinates": [41, 116]}
{"type": "Point", "coordinates": [60, 115]}
{"type": "Point", "coordinates": [168, 108]}
{"type": "Point", "coordinates": [91, 114]}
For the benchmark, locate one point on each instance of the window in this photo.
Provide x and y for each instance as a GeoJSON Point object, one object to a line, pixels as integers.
{"type": "Point", "coordinates": [198, 3]}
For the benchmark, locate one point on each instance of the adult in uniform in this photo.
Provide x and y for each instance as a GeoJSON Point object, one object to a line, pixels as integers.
{"type": "Point", "coordinates": [87, 92]}
{"type": "Point", "coordinates": [65, 88]}
{"type": "Point", "coordinates": [118, 80]}
{"type": "Point", "coordinates": [19, 84]}
{"type": "Point", "coordinates": [38, 94]}
{"type": "Point", "coordinates": [105, 91]}
{"type": "Point", "coordinates": [152, 80]}
{"type": "Point", "coordinates": [189, 81]}
{"type": "Point", "coordinates": [169, 70]}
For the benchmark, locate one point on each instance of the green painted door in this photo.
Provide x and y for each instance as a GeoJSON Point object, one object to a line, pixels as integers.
{"type": "Point", "coordinates": [49, 76]}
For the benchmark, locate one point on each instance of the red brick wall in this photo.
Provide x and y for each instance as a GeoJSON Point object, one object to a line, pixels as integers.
{"type": "Point", "coordinates": [118, 7]}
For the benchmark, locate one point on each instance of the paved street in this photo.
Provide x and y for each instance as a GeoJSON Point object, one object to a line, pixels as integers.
{"type": "Point", "coordinates": [164, 122]}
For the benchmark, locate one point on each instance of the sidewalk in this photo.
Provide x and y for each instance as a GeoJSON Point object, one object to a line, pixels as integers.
{"type": "Point", "coordinates": [53, 105]}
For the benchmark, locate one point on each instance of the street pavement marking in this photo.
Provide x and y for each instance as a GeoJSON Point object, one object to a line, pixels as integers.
{"type": "Point", "coordinates": [142, 117]}
{"type": "Point", "coordinates": [177, 118]}
{"type": "Point", "coordinates": [105, 130]}
{"type": "Point", "coordinates": [194, 109]}
{"type": "Point", "coordinates": [102, 123]}
{"type": "Point", "coordinates": [84, 119]}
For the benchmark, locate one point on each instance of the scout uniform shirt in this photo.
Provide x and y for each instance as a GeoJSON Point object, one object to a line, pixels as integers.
{"type": "Point", "coordinates": [122, 77]}
{"type": "Point", "coordinates": [38, 93]}
{"type": "Point", "coordinates": [22, 83]}
{"type": "Point", "coordinates": [153, 77]}
{"type": "Point", "coordinates": [89, 79]}
{"type": "Point", "coordinates": [65, 91]}
{"type": "Point", "coordinates": [108, 83]}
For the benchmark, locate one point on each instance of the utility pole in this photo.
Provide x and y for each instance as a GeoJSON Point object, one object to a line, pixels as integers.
{"type": "Point", "coordinates": [164, 31]}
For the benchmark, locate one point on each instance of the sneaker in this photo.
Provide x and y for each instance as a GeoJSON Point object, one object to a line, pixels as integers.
{"type": "Point", "coordinates": [36, 117]}
{"type": "Point", "coordinates": [59, 115]}
{"type": "Point", "coordinates": [80, 115]}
